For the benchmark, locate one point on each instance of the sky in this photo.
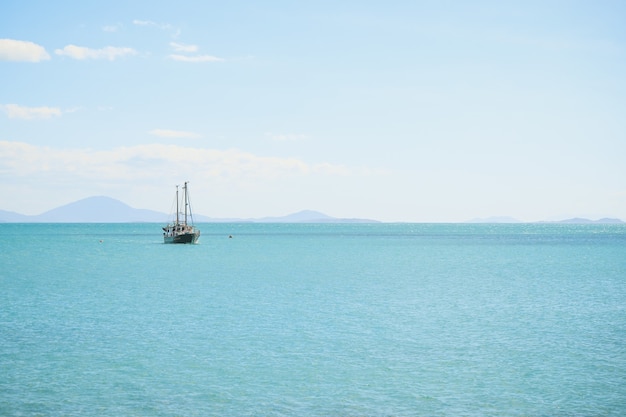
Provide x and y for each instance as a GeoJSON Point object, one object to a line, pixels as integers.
{"type": "Point", "coordinates": [399, 111]}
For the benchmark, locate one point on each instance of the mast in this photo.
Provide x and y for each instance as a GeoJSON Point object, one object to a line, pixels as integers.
{"type": "Point", "coordinates": [186, 202]}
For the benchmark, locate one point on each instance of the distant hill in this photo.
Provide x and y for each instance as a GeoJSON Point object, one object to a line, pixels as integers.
{"type": "Point", "coordinates": [578, 220]}
{"type": "Point", "coordinates": [99, 210]}
{"type": "Point", "coordinates": [496, 219]}
{"type": "Point", "coordinates": [12, 217]}
{"type": "Point", "coordinates": [102, 209]}
{"type": "Point", "coordinates": [89, 210]}
{"type": "Point", "coordinates": [310, 216]}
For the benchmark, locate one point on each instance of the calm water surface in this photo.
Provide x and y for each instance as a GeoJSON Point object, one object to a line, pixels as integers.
{"type": "Point", "coordinates": [313, 320]}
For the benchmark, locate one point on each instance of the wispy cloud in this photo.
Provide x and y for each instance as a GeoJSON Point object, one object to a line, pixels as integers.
{"type": "Point", "coordinates": [73, 109]}
{"type": "Point", "coordinates": [165, 26]}
{"type": "Point", "coordinates": [175, 32]}
{"type": "Point", "coordinates": [181, 47]}
{"type": "Point", "coordinates": [15, 111]}
{"type": "Point", "coordinates": [195, 58]}
{"type": "Point", "coordinates": [110, 28]}
{"type": "Point", "coordinates": [14, 50]}
{"type": "Point", "coordinates": [81, 53]}
{"type": "Point", "coordinates": [174, 134]}
{"type": "Point", "coordinates": [153, 162]}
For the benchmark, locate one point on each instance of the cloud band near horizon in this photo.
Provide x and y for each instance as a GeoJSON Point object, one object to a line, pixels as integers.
{"type": "Point", "coordinates": [152, 162]}
{"type": "Point", "coordinates": [110, 53]}
{"type": "Point", "coordinates": [15, 111]}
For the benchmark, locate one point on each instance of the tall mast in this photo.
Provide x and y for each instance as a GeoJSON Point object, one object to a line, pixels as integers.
{"type": "Point", "coordinates": [186, 202]}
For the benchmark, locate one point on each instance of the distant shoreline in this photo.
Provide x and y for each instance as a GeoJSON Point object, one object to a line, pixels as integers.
{"type": "Point", "coordinates": [103, 209]}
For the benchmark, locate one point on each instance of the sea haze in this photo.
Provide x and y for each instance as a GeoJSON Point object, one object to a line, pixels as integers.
{"type": "Point", "coordinates": [108, 210]}
{"type": "Point", "coordinates": [313, 320]}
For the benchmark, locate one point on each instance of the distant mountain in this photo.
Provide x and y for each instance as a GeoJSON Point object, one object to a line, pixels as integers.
{"type": "Point", "coordinates": [89, 210]}
{"type": "Point", "coordinates": [99, 210]}
{"type": "Point", "coordinates": [310, 216]}
{"type": "Point", "coordinates": [495, 219]}
{"type": "Point", "coordinates": [578, 220]}
{"type": "Point", "coordinates": [103, 209]}
{"type": "Point", "coordinates": [301, 216]}
{"type": "Point", "coordinates": [108, 210]}
{"type": "Point", "coordinates": [12, 217]}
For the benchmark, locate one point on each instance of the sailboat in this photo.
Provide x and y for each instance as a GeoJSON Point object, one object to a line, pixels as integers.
{"type": "Point", "coordinates": [181, 230]}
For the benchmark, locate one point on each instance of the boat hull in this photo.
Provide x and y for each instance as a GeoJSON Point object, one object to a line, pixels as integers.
{"type": "Point", "coordinates": [182, 238]}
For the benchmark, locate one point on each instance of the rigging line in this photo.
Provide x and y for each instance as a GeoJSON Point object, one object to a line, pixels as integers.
{"type": "Point", "coordinates": [189, 203]}
{"type": "Point", "coordinates": [172, 208]}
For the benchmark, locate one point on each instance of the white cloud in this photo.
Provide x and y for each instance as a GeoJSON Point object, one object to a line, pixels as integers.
{"type": "Point", "coordinates": [165, 26]}
{"type": "Point", "coordinates": [175, 32]}
{"type": "Point", "coordinates": [186, 49]}
{"type": "Point", "coordinates": [80, 52]}
{"type": "Point", "coordinates": [151, 162]}
{"type": "Point", "coordinates": [197, 58]}
{"type": "Point", "coordinates": [173, 134]}
{"type": "Point", "coordinates": [15, 111]}
{"type": "Point", "coordinates": [181, 47]}
{"type": "Point", "coordinates": [110, 28]}
{"type": "Point", "coordinates": [14, 50]}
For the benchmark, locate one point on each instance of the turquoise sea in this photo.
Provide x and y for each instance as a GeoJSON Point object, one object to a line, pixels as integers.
{"type": "Point", "coordinates": [313, 320]}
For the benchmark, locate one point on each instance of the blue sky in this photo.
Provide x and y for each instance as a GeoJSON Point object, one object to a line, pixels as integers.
{"type": "Point", "coordinates": [417, 111]}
